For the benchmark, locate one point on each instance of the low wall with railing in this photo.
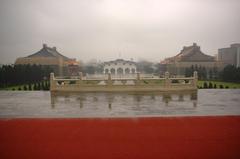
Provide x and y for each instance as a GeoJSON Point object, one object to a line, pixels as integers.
{"type": "Point", "coordinates": [109, 83]}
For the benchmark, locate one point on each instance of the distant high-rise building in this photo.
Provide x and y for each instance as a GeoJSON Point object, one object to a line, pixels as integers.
{"type": "Point", "coordinates": [230, 56]}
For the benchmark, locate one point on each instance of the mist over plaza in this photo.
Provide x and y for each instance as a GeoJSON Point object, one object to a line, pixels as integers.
{"type": "Point", "coordinates": [106, 30]}
{"type": "Point", "coordinates": [145, 79]}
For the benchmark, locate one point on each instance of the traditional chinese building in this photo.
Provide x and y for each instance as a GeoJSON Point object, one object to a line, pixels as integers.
{"type": "Point", "coordinates": [189, 56]}
{"type": "Point", "coordinates": [48, 56]}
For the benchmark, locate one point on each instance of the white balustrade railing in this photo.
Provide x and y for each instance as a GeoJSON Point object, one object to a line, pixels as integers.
{"type": "Point", "coordinates": [138, 79]}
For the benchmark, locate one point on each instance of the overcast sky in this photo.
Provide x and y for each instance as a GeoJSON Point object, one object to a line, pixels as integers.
{"type": "Point", "coordinates": [108, 29]}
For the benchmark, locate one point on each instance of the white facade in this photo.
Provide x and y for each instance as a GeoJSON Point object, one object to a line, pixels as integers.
{"type": "Point", "coordinates": [119, 66]}
{"type": "Point", "coordinates": [230, 56]}
{"type": "Point", "coordinates": [238, 57]}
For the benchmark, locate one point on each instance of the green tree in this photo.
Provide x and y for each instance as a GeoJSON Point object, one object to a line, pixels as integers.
{"type": "Point", "coordinates": [24, 87]}
{"type": "Point", "coordinates": [215, 86]}
{"type": "Point", "coordinates": [210, 85]}
{"type": "Point", "coordinates": [42, 85]}
{"type": "Point", "coordinates": [146, 66]}
{"type": "Point", "coordinates": [29, 87]}
{"type": "Point", "coordinates": [215, 73]}
{"type": "Point", "coordinates": [188, 72]}
{"type": "Point", "coordinates": [204, 73]}
{"type": "Point", "coordinates": [21, 74]}
{"type": "Point", "coordinates": [38, 86]}
{"type": "Point", "coordinates": [221, 86]}
{"type": "Point", "coordinates": [34, 86]}
{"type": "Point", "coordinates": [230, 74]}
{"type": "Point", "coordinates": [205, 85]}
{"type": "Point", "coordinates": [210, 74]}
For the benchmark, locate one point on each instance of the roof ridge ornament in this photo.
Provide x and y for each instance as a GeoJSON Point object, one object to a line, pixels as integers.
{"type": "Point", "coordinates": [44, 45]}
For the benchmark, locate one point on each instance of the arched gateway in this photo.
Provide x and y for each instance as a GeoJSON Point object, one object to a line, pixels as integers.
{"type": "Point", "coordinates": [119, 66]}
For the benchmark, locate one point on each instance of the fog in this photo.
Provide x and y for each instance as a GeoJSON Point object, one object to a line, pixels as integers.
{"type": "Point", "coordinates": [110, 29]}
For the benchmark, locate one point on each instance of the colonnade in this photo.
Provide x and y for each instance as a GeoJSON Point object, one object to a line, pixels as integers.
{"type": "Point", "coordinates": [119, 70]}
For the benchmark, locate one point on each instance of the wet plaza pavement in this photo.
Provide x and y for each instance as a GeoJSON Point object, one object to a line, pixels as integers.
{"type": "Point", "coordinates": [43, 104]}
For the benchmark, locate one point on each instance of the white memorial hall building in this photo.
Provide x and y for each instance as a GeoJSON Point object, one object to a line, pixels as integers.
{"type": "Point", "coordinates": [119, 66]}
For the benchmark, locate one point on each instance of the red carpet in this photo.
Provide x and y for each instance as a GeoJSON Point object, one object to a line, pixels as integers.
{"type": "Point", "coordinates": [128, 138]}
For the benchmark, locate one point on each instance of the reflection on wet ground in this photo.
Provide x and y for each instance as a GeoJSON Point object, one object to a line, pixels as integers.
{"type": "Point", "coordinates": [110, 98]}
{"type": "Point", "coordinates": [46, 104]}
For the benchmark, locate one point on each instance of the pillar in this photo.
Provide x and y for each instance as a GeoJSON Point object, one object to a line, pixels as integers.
{"type": "Point", "coordinates": [80, 75]}
{"type": "Point", "coordinates": [138, 79]}
{"type": "Point", "coordinates": [138, 76]}
{"type": "Point", "coordinates": [80, 78]}
{"type": "Point", "coordinates": [167, 80]}
{"type": "Point", "coordinates": [109, 76]}
{"type": "Point", "coordinates": [195, 79]}
{"type": "Point", "coordinates": [52, 82]}
{"type": "Point", "coordinates": [109, 79]}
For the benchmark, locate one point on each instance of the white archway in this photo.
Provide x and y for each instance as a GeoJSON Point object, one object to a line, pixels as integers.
{"type": "Point", "coordinates": [119, 66]}
{"type": "Point", "coordinates": [120, 71]}
{"type": "Point", "coordinates": [113, 71]}
{"type": "Point", "coordinates": [127, 71]}
{"type": "Point", "coordinates": [106, 70]}
{"type": "Point", "coordinates": [133, 70]}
